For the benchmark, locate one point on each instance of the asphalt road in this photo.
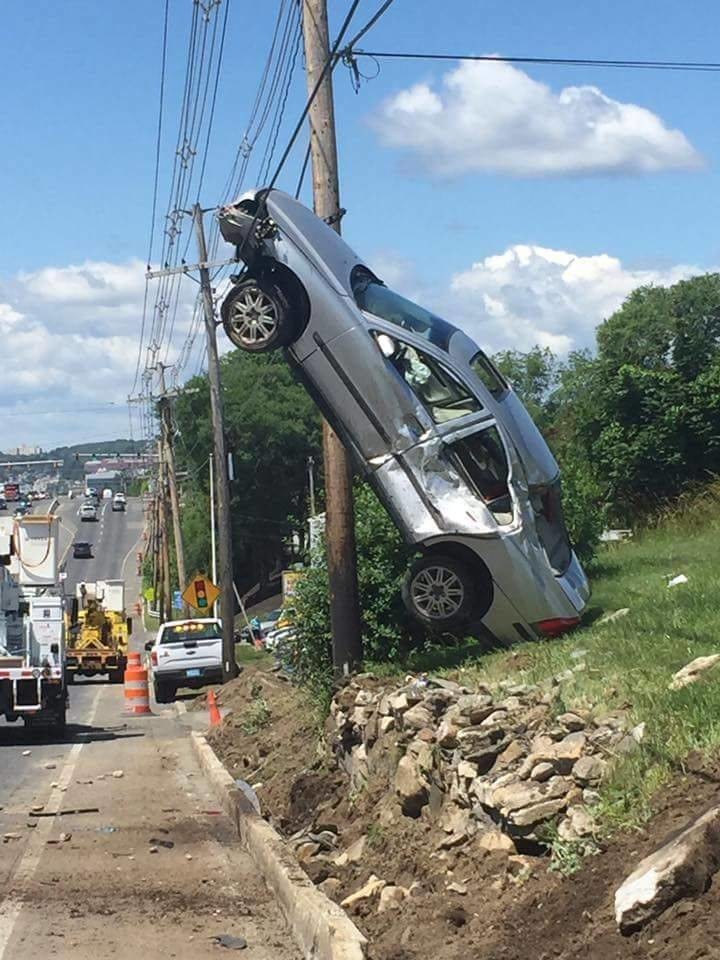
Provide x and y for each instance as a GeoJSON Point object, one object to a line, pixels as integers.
{"type": "Point", "coordinates": [152, 867]}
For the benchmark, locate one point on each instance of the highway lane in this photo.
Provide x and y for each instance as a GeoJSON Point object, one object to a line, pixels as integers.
{"type": "Point", "coordinates": [116, 537]}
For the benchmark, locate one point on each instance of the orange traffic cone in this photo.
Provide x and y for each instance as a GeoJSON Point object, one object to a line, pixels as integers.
{"type": "Point", "coordinates": [215, 718]}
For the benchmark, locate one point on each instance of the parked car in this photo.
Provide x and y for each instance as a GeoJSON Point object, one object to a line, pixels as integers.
{"type": "Point", "coordinates": [439, 433]}
{"type": "Point", "coordinates": [82, 550]}
{"type": "Point", "coordinates": [261, 626]}
{"type": "Point", "coordinates": [88, 512]}
{"type": "Point", "coordinates": [185, 653]}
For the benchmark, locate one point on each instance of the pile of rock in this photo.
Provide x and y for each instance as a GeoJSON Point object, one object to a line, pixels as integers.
{"type": "Point", "coordinates": [498, 763]}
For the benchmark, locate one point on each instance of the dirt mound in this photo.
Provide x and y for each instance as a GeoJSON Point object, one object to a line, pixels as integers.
{"type": "Point", "coordinates": [270, 738]}
{"type": "Point", "coordinates": [440, 890]}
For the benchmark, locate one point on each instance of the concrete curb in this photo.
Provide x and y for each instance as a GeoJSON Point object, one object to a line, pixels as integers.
{"type": "Point", "coordinates": [321, 928]}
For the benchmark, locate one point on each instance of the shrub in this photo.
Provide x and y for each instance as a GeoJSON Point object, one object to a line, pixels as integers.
{"type": "Point", "coordinates": [382, 562]}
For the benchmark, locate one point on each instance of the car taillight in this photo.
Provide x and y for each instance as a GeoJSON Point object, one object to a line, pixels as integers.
{"type": "Point", "coordinates": [154, 658]}
{"type": "Point", "coordinates": [557, 625]}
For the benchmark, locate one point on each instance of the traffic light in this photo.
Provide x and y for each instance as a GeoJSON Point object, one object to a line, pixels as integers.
{"type": "Point", "coordinates": [201, 595]}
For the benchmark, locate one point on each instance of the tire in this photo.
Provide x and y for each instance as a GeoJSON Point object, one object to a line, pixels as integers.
{"type": "Point", "coordinates": [444, 594]}
{"type": "Point", "coordinates": [258, 316]}
{"type": "Point", "coordinates": [164, 692]}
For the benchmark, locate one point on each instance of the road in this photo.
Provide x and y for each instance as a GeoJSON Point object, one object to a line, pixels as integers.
{"type": "Point", "coordinates": [153, 867]}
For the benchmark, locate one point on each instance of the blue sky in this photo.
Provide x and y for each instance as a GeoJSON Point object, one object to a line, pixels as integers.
{"type": "Point", "coordinates": [77, 129]}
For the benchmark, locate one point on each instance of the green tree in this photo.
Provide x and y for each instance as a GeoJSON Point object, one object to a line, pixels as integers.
{"type": "Point", "coordinates": [534, 377]}
{"type": "Point", "coordinates": [271, 428]}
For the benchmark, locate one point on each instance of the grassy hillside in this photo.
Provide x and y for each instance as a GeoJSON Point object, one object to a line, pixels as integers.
{"type": "Point", "coordinates": [627, 664]}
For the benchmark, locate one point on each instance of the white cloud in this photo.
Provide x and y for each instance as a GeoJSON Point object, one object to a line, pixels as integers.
{"type": "Point", "coordinates": [535, 295]}
{"type": "Point", "coordinates": [493, 117]}
{"type": "Point", "coordinates": [69, 341]}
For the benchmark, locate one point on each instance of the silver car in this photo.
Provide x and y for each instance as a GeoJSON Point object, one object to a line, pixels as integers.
{"type": "Point", "coordinates": [447, 445]}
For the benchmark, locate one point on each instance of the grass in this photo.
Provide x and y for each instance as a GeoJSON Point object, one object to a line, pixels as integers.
{"type": "Point", "coordinates": [245, 654]}
{"type": "Point", "coordinates": [629, 663]}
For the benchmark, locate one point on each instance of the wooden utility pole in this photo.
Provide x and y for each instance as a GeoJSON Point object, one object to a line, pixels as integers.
{"type": "Point", "coordinates": [340, 516]}
{"type": "Point", "coordinates": [169, 454]}
{"type": "Point", "coordinates": [166, 606]}
{"type": "Point", "coordinates": [222, 484]}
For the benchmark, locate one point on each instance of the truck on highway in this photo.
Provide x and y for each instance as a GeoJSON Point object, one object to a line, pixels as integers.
{"type": "Point", "coordinates": [33, 685]}
{"type": "Point", "coordinates": [98, 631]}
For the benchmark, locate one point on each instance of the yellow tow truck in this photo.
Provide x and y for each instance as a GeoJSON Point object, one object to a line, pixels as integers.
{"type": "Point", "coordinates": [98, 631]}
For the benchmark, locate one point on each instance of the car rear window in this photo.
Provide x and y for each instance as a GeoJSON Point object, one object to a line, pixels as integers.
{"type": "Point", "coordinates": [191, 631]}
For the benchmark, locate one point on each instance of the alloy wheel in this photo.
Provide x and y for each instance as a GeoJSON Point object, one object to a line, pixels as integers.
{"type": "Point", "coordinates": [253, 317]}
{"type": "Point", "coordinates": [437, 592]}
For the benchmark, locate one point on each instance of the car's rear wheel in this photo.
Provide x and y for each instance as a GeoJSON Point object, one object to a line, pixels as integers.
{"type": "Point", "coordinates": [444, 594]}
{"type": "Point", "coordinates": [164, 692]}
{"type": "Point", "coordinates": [258, 315]}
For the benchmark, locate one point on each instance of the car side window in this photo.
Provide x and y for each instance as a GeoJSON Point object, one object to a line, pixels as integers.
{"type": "Point", "coordinates": [482, 462]}
{"type": "Point", "coordinates": [442, 394]}
{"type": "Point", "coordinates": [486, 371]}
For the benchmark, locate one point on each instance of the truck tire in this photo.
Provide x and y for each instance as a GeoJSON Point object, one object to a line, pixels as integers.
{"type": "Point", "coordinates": [164, 692]}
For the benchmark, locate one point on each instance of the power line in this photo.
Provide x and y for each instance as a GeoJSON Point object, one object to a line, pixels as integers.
{"type": "Point", "coordinates": [371, 23]}
{"type": "Point", "coordinates": [680, 65]}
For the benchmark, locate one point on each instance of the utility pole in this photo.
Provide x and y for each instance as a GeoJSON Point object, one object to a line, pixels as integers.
{"type": "Point", "coordinates": [213, 547]}
{"type": "Point", "coordinates": [169, 453]}
{"type": "Point", "coordinates": [166, 606]}
{"type": "Point", "coordinates": [222, 484]}
{"type": "Point", "coordinates": [340, 515]}
{"type": "Point", "coordinates": [311, 483]}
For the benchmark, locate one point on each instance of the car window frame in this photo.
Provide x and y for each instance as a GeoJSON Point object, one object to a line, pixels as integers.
{"type": "Point", "coordinates": [439, 358]}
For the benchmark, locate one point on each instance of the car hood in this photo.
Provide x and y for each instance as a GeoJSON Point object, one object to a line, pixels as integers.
{"type": "Point", "coordinates": [295, 222]}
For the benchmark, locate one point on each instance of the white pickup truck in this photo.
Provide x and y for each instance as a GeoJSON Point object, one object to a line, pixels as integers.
{"type": "Point", "coordinates": [185, 653]}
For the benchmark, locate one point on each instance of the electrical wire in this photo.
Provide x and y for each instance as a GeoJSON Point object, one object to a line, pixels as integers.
{"type": "Point", "coordinates": [371, 23]}
{"type": "Point", "coordinates": [679, 65]}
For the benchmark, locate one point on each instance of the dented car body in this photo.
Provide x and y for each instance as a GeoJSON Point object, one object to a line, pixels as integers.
{"type": "Point", "coordinates": [447, 445]}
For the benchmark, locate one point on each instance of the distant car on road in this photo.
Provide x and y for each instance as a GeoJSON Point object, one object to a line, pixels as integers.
{"type": "Point", "coordinates": [3, 503]}
{"type": "Point", "coordinates": [185, 653]}
{"type": "Point", "coordinates": [118, 504]}
{"type": "Point", "coordinates": [88, 512]}
{"type": "Point", "coordinates": [82, 550]}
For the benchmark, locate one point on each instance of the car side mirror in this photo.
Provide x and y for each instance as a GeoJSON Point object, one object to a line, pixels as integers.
{"type": "Point", "coordinates": [149, 645]}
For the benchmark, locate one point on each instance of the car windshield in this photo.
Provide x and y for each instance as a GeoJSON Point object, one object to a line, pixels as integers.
{"type": "Point", "coordinates": [374, 297]}
{"type": "Point", "coordinates": [183, 632]}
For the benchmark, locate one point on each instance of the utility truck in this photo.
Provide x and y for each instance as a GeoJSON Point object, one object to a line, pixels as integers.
{"type": "Point", "coordinates": [32, 630]}
{"type": "Point", "coordinates": [98, 630]}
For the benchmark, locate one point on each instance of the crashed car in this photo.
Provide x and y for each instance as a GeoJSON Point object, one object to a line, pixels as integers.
{"type": "Point", "coordinates": [439, 433]}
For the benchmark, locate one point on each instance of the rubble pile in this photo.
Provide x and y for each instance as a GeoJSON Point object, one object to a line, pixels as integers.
{"type": "Point", "coordinates": [494, 763]}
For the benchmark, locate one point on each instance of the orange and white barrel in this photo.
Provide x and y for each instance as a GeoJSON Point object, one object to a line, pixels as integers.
{"type": "Point", "coordinates": [137, 692]}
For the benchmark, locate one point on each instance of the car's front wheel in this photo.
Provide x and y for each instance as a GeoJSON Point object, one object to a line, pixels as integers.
{"type": "Point", "coordinates": [258, 315]}
{"type": "Point", "coordinates": [444, 594]}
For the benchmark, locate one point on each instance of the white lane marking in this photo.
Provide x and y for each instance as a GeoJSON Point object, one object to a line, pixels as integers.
{"type": "Point", "coordinates": [12, 905]}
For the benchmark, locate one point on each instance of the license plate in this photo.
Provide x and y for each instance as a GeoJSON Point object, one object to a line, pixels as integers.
{"type": "Point", "coordinates": [193, 673]}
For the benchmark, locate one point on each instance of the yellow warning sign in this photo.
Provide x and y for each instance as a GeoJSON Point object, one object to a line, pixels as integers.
{"type": "Point", "coordinates": [201, 593]}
